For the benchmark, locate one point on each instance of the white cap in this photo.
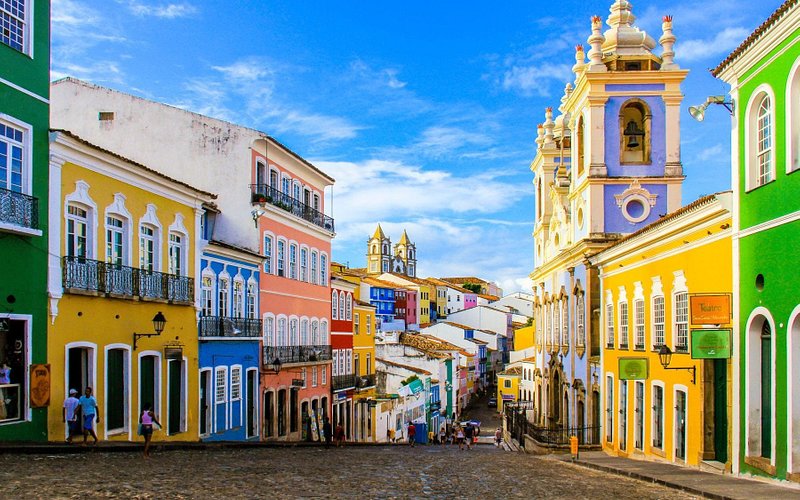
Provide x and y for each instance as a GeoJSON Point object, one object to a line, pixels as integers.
{"type": "Point", "coordinates": [72, 391]}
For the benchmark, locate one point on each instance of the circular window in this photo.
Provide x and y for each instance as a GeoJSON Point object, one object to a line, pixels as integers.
{"type": "Point", "coordinates": [635, 208]}
{"type": "Point", "coordinates": [580, 218]}
{"type": "Point", "coordinates": [760, 282]}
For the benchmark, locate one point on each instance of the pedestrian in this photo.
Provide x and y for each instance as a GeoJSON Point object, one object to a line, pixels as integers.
{"type": "Point", "coordinates": [412, 433]}
{"type": "Point", "coordinates": [338, 435]}
{"type": "Point", "coordinates": [460, 437]}
{"type": "Point", "coordinates": [469, 432]}
{"type": "Point", "coordinates": [91, 413]}
{"type": "Point", "coordinates": [442, 435]}
{"type": "Point", "coordinates": [69, 415]}
{"type": "Point", "coordinates": [326, 432]}
{"type": "Point", "coordinates": [146, 422]}
{"type": "Point", "coordinates": [498, 437]}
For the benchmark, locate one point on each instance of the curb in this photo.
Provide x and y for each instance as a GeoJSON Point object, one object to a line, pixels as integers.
{"type": "Point", "coordinates": [649, 479]}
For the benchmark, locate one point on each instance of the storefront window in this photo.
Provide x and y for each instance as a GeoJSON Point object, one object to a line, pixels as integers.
{"type": "Point", "coordinates": [13, 367]}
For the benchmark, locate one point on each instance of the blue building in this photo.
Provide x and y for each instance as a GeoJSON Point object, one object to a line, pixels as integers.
{"type": "Point", "coordinates": [230, 333]}
{"type": "Point", "coordinates": [382, 296]}
{"type": "Point", "coordinates": [608, 165]}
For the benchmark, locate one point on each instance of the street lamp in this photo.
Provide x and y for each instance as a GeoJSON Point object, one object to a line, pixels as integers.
{"type": "Point", "coordinates": [665, 357]}
{"type": "Point", "coordinates": [158, 325]}
{"type": "Point", "coordinates": [699, 112]}
{"type": "Point", "coordinates": [275, 365]}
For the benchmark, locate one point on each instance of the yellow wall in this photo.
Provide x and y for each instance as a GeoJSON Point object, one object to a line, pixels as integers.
{"type": "Point", "coordinates": [513, 382]}
{"type": "Point", "coordinates": [426, 293]}
{"type": "Point", "coordinates": [524, 337]}
{"type": "Point", "coordinates": [702, 251]}
{"type": "Point", "coordinates": [364, 343]}
{"type": "Point", "coordinates": [102, 322]}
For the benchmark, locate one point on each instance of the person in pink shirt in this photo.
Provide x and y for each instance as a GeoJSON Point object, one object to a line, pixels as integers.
{"type": "Point", "coordinates": [147, 420]}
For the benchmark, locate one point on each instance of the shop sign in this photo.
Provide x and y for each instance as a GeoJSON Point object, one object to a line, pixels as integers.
{"type": "Point", "coordinates": [711, 344]}
{"type": "Point", "coordinates": [173, 352]}
{"type": "Point", "coordinates": [710, 309]}
{"type": "Point", "coordinates": [416, 386]}
{"type": "Point", "coordinates": [298, 382]}
{"type": "Point", "coordinates": [632, 368]}
{"type": "Point", "coordinates": [40, 386]}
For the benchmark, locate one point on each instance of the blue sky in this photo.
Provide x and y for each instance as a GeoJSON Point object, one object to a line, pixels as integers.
{"type": "Point", "coordinates": [424, 112]}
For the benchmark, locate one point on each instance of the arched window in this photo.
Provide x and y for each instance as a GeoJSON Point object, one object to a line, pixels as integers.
{"type": "Point", "coordinates": [341, 305]}
{"type": "Point", "coordinates": [314, 332]}
{"type": "Point", "coordinates": [565, 321]}
{"type": "Point", "coordinates": [579, 136]}
{"type": "Point", "coordinates": [304, 331]}
{"type": "Point", "coordinates": [238, 297]}
{"type": "Point", "coordinates": [759, 386]}
{"type": "Point", "coordinates": [349, 307]}
{"type": "Point", "coordinates": [207, 293]}
{"type": "Point", "coordinates": [335, 305]}
{"type": "Point", "coordinates": [222, 297]}
{"type": "Point", "coordinates": [252, 305]}
{"type": "Point", "coordinates": [293, 261]}
{"type": "Point", "coordinates": [759, 124]}
{"type": "Point", "coordinates": [634, 130]}
{"type": "Point", "coordinates": [293, 324]}
{"type": "Point", "coordinates": [793, 119]}
{"type": "Point", "coordinates": [281, 336]}
{"type": "Point", "coordinates": [77, 231]}
{"type": "Point", "coordinates": [323, 332]}
{"type": "Point", "coordinates": [269, 330]}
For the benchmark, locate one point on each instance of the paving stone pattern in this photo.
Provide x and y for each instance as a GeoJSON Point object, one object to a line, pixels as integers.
{"type": "Point", "coordinates": [355, 472]}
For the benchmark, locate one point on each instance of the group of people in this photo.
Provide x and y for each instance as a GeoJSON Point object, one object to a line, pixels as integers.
{"type": "Point", "coordinates": [329, 433]}
{"type": "Point", "coordinates": [81, 414]}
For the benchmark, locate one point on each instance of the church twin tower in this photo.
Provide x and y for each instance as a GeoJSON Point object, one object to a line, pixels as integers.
{"type": "Point", "coordinates": [382, 258]}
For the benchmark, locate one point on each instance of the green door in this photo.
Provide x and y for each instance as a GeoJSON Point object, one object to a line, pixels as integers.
{"type": "Point", "coordinates": [721, 410]}
{"type": "Point", "coordinates": [115, 390]}
{"type": "Point", "coordinates": [175, 390]}
{"type": "Point", "coordinates": [147, 383]}
{"type": "Point", "coordinates": [766, 390]}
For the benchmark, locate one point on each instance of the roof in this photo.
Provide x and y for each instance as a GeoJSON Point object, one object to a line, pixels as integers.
{"type": "Point", "coordinates": [529, 359]}
{"type": "Point", "coordinates": [511, 372]}
{"type": "Point", "coordinates": [405, 367]}
{"type": "Point", "coordinates": [489, 297]}
{"type": "Point", "coordinates": [755, 35]}
{"type": "Point", "coordinates": [663, 220]}
{"type": "Point", "coordinates": [458, 325]}
{"type": "Point", "coordinates": [466, 279]}
{"type": "Point", "coordinates": [478, 341]}
{"type": "Point", "coordinates": [236, 248]}
{"type": "Point", "coordinates": [379, 233]}
{"type": "Point", "coordinates": [381, 283]}
{"type": "Point", "coordinates": [431, 346]}
{"type": "Point", "coordinates": [134, 163]}
{"type": "Point", "coordinates": [361, 303]}
{"type": "Point", "coordinates": [404, 240]}
{"type": "Point", "coordinates": [438, 282]}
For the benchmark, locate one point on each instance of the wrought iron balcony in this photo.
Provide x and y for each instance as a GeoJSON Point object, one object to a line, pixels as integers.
{"type": "Point", "coordinates": [216, 326]}
{"type": "Point", "coordinates": [341, 382]}
{"type": "Point", "coordinates": [365, 381]}
{"type": "Point", "coordinates": [296, 354]}
{"type": "Point", "coordinates": [264, 193]}
{"type": "Point", "coordinates": [19, 209]}
{"type": "Point", "coordinates": [89, 275]}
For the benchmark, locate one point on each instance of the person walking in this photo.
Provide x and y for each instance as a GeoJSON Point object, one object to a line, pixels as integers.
{"type": "Point", "coordinates": [69, 415]}
{"type": "Point", "coordinates": [460, 437]}
{"type": "Point", "coordinates": [147, 420]}
{"type": "Point", "coordinates": [498, 437]}
{"type": "Point", "coordinates": [412, 433]}
{"type": "Point", "coordinates": [469, 432]}
{"type": "Point", "coordinates": [91, 413]}
{"type": "Point", "coordinates": [326, 432]}
{"type": "Point", "coordinates": [338, 435]}
{"type": "Point", "coordinates": [442, 435]}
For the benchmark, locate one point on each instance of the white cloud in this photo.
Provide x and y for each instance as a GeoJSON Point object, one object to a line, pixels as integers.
{"type": "Point", "coordinates": [722, 43]}
{"type": "Point", "coordinates": [164, 11]}
{"type": "Point", "coordinates": [714, 153]}
{"type": "Point", "coordinates": [440, 140]}
{"type": "Point", "coordinates": [536, 79]}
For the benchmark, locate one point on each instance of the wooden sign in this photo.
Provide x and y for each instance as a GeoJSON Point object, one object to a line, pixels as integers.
{"type": "Point", "coordinates": [710, 309]}
{"type": "Point", "coordinates": [40, 386]}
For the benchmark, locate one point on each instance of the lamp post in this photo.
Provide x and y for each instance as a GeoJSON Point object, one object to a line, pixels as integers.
{"type": "Point", "coordinates": [158, 325]}
{"type": "Point", "coordinates": [275, 365]}
{"type": "Point", "coordinates": [665, 357]}
{"type": "Point", "coordinates": [699, 112]}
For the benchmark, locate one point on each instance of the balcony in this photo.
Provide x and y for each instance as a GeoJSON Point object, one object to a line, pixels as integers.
{"type": "Point", "coordinates": [19, 210]}
{"type": "Point", "coordinates": [296, 354]}
{"type": "Point", "coordinates": [264, 193]}
{"type": "Point", "coordinates": [216, 326]}
{"type": "Point", "coordinates": [365, 381]}
{"type": "Point", "coordinates": [93, 276]}
{"type": "Point", "coordinates": [341, 382]}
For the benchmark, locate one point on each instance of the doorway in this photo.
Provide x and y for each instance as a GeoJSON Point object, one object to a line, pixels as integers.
{"type": "Point", "coordinates": [721, 410]}
{"type": "Point", "coordinates": [680, 425]}
{"type": "Point", "coordinates": [252, 396]}
{"type": "Point", "coordinates": [205, 402]}
{"type": "Point", "coordinates": [623, 414]}
{"type": "Point", "coordinates": [80, 364]}
{"type": "Point", "coordinates": [175, 400]}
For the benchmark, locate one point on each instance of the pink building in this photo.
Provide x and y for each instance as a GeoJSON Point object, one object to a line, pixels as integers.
{"type": "Point", "coordinates": [287, 196]}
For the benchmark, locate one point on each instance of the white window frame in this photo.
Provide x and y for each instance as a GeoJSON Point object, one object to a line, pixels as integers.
{"type": "Point", "coordinates": [280, 256]}
{"type": "Point", "coordinates": [73, 237]}
{"type": "Point", "coordinates": [220, 396]}
{"type": "Point", "coordinates": [236, 385]}
{"type": "Point", "coordinates": [751, 147]}
{"type": "Point", "coordinates": [323, 269]}
{"type": "Point", "coordinates": [269, 240]}
{"type": "Point", "coordinates": [150, 221]}
{"type": "Point", "coordinates": [580, 319]}
{"type": "Point", "coordinates": [80, 198]}
{"type": "Point", "coordinates": [223, 295]}
{"type": "Point", "coordinates": [207, 292]}
{"type": "Point", "coordinates": [117, 210]}
{"type": "Point", "coordinates": [342, 305]}
{"type": "Point", "coordinates": [148, 248]}
{"type": "Point", "coordinates": [349, 307]}
{"type": "Point", "coordinates": [239, 295]}
{"type": "Point", "coordinates": [27, 28]}
{"type": "Point", "coordinates": [281, 332]}
{"type": "Point", "coordinates": [314, 275]}
{"type": "Point", "coordinates": [26, 147]}
{"type": "Point", "coordinates": [126, 376]}
{"type": "Point", "coordinates": [653, 385]}
{"type": "Point", "coordinates": [793, 118]}
{"type": "Point", "coordinates": [685, 390]}
{"type": "Point", "coordinates": [252, 298]}
{"type": "Point", "coordinates": [304, 263]}
{"type": "Point", "coordinates": [293, 260]}
{"type": "Point", "coordinates": [304, 331]}
{"type": "Point", "coordinates": [680, 318]}
{"type": "Point", "coordinates": [269, 329]}
{"type": "Point", "coordinates": [181, 247]}
{"type": "Point", "coordinates": [334, 305]}
{"type": "Point", "coordinates": [623, 319]}
{"type": "Point", "coordinates": [639, 334]}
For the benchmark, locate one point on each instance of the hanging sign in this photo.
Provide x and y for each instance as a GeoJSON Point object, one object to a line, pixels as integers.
{"type": "Point", "coordinates": [710, 309]}
{"type": "Point", "coordinates": [40, 386]}
{"type": "Point", "coordinates": [632, 368]}
{"type": "Point", "coordinates": [711, 344]}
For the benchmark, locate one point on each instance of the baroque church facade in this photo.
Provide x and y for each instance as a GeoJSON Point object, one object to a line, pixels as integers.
{"type": "Point", "coordinates": [382, 257]}
{"type": "Point", "coordinates": [607, 165]}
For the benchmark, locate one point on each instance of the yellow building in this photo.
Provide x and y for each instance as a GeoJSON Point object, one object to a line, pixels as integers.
{"type": "Point", "coordinates": [364, 323]}
{"type": "Point", "coordinates": [524, 337]}
{"type": "Point", "coordinates": [123, 254]}
{"type": "Point", "coordinates": [508, 386]}
{"type": "Point", "coordinates": [666, 316]}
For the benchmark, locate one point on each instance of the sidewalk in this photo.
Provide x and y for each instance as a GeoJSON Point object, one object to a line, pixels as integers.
{"type": "Point", "coordinates": [686, 479]}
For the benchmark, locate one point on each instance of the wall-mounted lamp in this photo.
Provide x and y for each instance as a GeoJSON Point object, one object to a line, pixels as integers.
{"type": "Point", "coordinates": [256, 214]}
{"type": "Point", "coordinates": [275, 366]}
{"type": "Point", "coordinates": [698, 112]}
{"type": "Point", "coordinates": [158, 325]}
{"type": "Point", "coordinates": [665, 357]}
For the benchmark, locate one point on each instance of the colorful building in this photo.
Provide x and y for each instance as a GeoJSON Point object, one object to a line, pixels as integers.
{"type": "Point", "coordinates": [764, 75]}
{"type": "Point", "coordinates": [667, 299]}
{"type": "Point", "coordinates": [229, 334]}
{"type": "Point", "coordinates": [24, 124]}
{"type": "Point", "coordinates": [122, 294]}
{"type": "Point", "coordinates": [508, 383]}
{"type": "Point", "coordinates": [607, 165]}
{"type": "Point", "coordinates": [343, 369]}
{"type": "Point", "coordinates": [364, 371]}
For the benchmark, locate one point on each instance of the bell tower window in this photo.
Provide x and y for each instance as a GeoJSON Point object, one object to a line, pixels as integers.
{"type": "Point", "coordinates": [634, 129]}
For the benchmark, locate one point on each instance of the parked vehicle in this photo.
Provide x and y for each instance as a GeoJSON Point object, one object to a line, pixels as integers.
{"type": "Point", "coordinates": [492, 402]}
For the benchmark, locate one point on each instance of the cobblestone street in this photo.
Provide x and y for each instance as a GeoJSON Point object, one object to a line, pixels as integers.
{"type": "Point", "coordinates": [366, 472]}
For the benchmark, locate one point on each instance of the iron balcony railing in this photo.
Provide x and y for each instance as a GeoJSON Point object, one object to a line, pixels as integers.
{"type": "Point", "coordinates": [562, 435]}
{"type": "Point", "coordinates": [264, 193]}
{"type": "Point", "coordinates": [19, 209]}
{"type": "Point", "coordinates": [216, 326]}
{"type": "Point", "coordinates": [296, 354]}
{"type": "Point", "coordinates": [80, 273]}
{"type": "Point", "coordinates": [341, 382]}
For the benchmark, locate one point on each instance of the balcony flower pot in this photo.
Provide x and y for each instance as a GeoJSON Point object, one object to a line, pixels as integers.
{"type": "Point", "coordinates": [258, 198]}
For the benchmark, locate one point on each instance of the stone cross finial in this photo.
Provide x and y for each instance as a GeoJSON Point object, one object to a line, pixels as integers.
{"type": "Point", "coordinates": [596, 40]}
{"type": "Point", "coordinates": [565, 97]}
{"type": "Point", "coordinates": [580, 61]}
{"type": "Point", "coordinates": [540, 135]}
{"type": "Point", "coordinates": [667, 42]}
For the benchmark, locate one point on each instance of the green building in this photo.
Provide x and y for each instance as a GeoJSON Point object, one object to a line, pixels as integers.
{"type": "Point", "coordinates": [764, 75]}
{"type": "Point", "coordinates": [24, 122]}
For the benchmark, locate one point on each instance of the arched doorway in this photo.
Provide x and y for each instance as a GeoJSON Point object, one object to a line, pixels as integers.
{"type": "Point", "coordinates": [759, 385]}
{"type": "Point", "coordinates": [793, 385]}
